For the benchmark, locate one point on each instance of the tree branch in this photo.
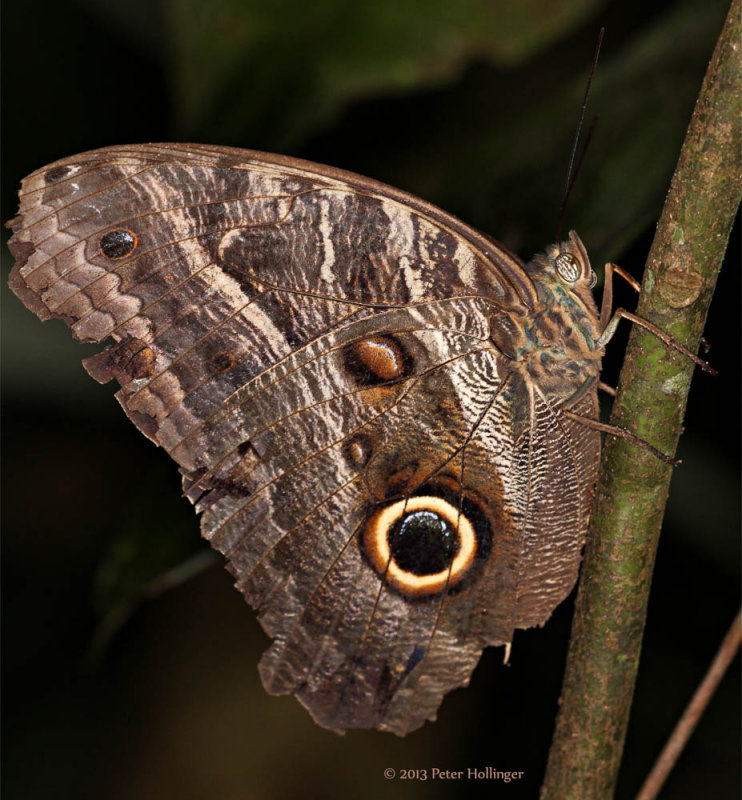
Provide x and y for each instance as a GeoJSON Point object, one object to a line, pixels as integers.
{"type": "Point", "coordinates": [692, 714]}
{"type": "Point", "coordinates": [678, 284]}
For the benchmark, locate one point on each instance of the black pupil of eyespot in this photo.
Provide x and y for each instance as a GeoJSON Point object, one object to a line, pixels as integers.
{"type": "Point", "coordinates": [423, 543]}
{"type": "Point", "coordinates": [117, 244]}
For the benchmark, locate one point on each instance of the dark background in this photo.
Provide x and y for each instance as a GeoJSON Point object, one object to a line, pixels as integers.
{"type": "Point", "coordinates": [471, 105]}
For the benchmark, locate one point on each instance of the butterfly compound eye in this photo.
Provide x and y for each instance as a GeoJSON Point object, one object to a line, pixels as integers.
{"type": "Point", "coordinates": [593, 279]}
{"type": "Point", "coordinates": [567, 267]}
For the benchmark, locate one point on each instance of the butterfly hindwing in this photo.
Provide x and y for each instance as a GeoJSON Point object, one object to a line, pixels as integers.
{"type": "Point", "coordinates": [314, 351]}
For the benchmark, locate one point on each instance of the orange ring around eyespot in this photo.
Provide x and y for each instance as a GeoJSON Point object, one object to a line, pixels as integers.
{"type": "Point", "coordinates": [377, 546]}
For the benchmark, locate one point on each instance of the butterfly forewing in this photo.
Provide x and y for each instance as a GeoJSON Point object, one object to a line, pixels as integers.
{"type": "Point", "coordinates": [391, 490]}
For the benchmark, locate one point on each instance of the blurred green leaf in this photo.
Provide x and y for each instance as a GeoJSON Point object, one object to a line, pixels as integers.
{"type": "Point", "coordinates": [137, 560]}
{"type": "Point", "coordinates": [506, 153]}
{"type": "Point", "coordinates": [155, 548]}
{"type": "Point", "coordinates": [237, 64]}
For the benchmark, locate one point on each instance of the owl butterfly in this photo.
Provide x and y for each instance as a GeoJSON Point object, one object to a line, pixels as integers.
{"type": "Point", "coordinates": [377, 411]}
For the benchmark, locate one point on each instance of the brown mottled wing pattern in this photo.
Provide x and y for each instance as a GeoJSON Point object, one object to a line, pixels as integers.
{"type": "Point", "coordinates": [239, 291]}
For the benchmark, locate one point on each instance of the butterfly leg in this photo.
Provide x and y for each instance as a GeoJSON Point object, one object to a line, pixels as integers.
{"type": "Point", "coordinates": [602, 387]}
{"type": "Point", "coordinates": [622, 433]}
{"type": "Point", "coordinates": [619, 313]}
{"type": "Point", "coordinates": [609, 324]}
{"type": "Point", "coordinates": [614, 430]}
{"type": "Point", "coordinates": [606, 305]}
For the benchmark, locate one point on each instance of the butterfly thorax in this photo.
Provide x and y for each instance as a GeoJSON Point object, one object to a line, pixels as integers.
{"type": "Point", "coordinates": [553, 344]}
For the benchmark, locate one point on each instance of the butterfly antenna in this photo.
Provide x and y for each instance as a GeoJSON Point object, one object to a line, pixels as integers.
{"type": "Point", "coordinates": [578, 164]}
{"type": "Point", "coordinates": [571, 170]}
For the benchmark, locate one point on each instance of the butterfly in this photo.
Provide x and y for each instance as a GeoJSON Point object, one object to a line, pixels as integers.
{"type": "Point", "coordinates": [381, 415]}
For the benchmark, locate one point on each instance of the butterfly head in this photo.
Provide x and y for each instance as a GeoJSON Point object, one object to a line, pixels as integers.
{"type": "Point", "coordinates": [563, 276]}
{"type": "Point", "coordinates": [571, 264]}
